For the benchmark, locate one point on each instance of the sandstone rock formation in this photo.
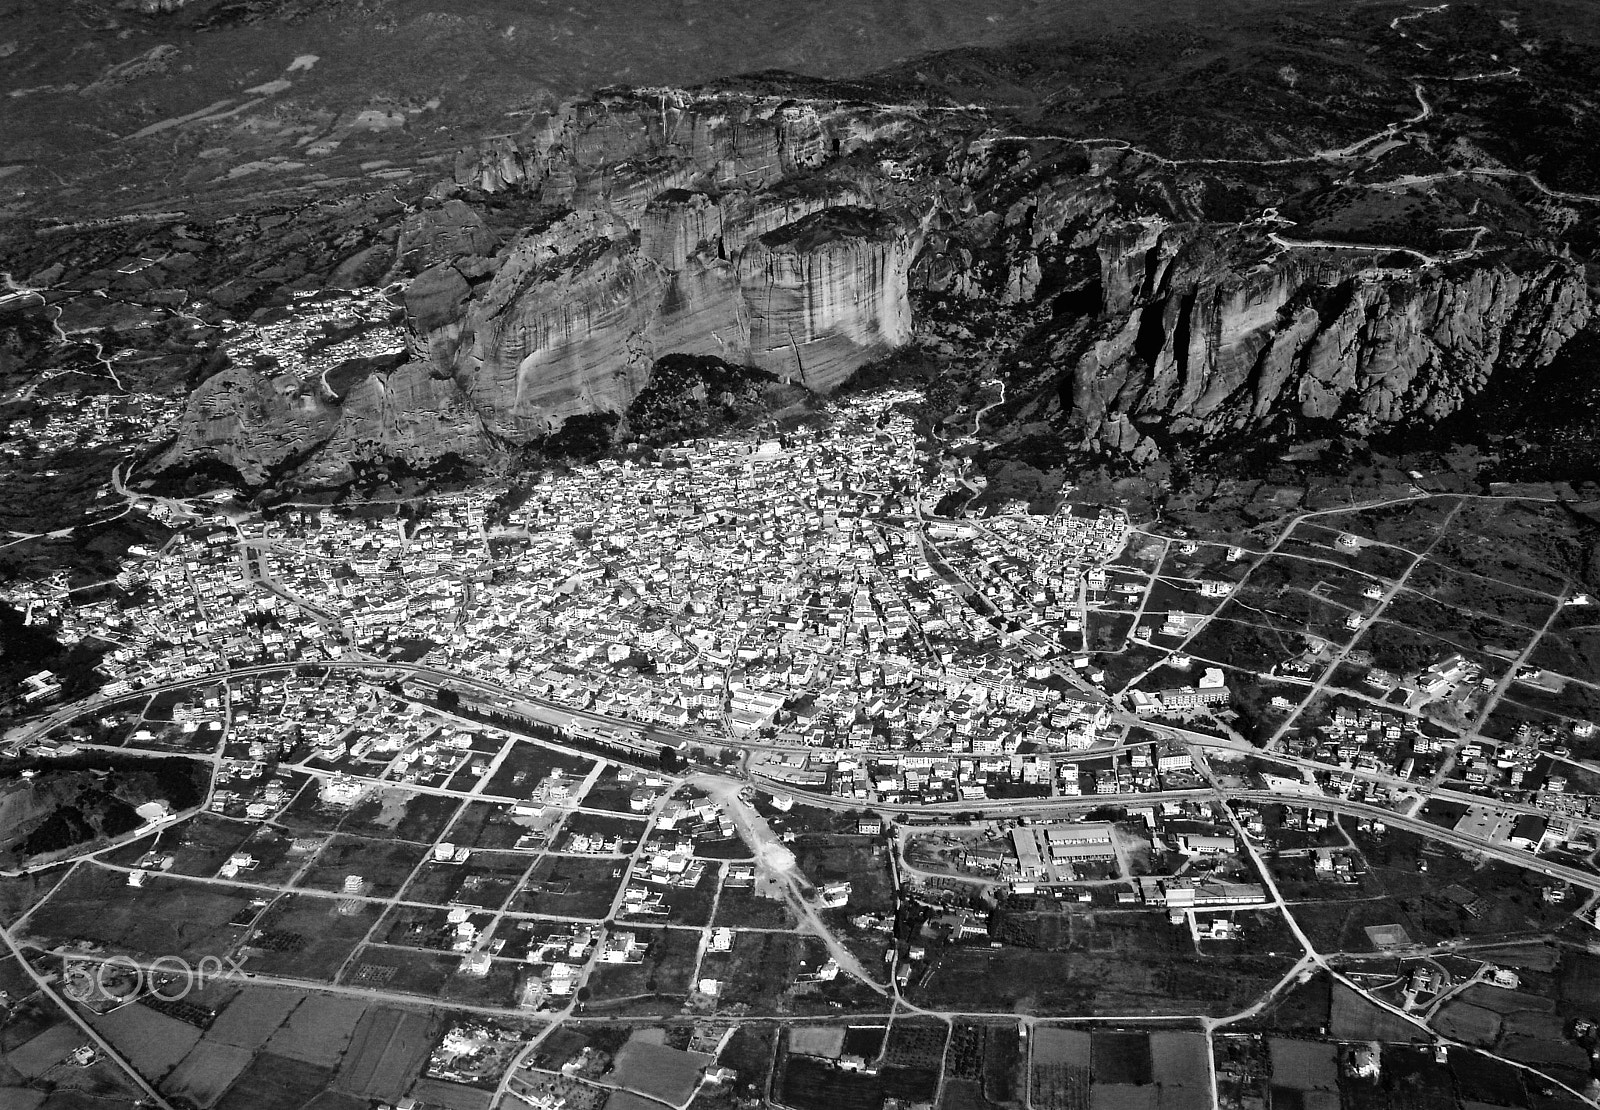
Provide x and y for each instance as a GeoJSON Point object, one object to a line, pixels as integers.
{"type": "Point", "coordinates": [807, 239]}
{"type": "Point", "coordinates": [1198, 345]}
{"type": "Point", "coordinates": [693, 231]}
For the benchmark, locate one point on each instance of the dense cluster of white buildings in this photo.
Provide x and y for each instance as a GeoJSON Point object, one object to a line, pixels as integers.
{"type": "Point", "coordinates": [784, 588]}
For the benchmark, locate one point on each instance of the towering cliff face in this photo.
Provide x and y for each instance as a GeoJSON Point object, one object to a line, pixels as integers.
{"type": "Point", "coordinates": [1129, 300]}
{"type": "Point", "coordinates": [691, 233]}
{"type": "Point", "coordinates": [826, 294]}
{"type": "Point", "coordinates": [1201, 339]}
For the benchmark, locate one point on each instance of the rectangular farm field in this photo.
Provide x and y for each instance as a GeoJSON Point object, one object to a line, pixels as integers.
{"type": "Point", "coordinates": [744, 908]}
{"type": "Point", "coordinates": [692, 905]}
{"type": "Point", "coordinates": [166, 916]}
{"type": "Point", "coordinates": [485, 880]}
{"type": "Point", "coordinates": [1410, 524]}
{"type": "Point", "coordinates": [758, 971]}
{"type": "Point", "coordinates": [530, 764]}
{"type": "Point", "coordinates": [571, 886]}
{"type": "Point", "coordinates": [665, 971]}
{"type": "Point", "coordinates": [387, 1052]}
{"type": "Point", "coordinates": [494, 826]}
{"type": "Point", "coordinates": [395, 813]}
{"type": "Point", "coordinates": [811, 1084]}
{"type": "Point", "coordinates": [381, 867]}
{"type": "Point", "coordinates": [309, 937]}
{"type": "Point", "coordinates": [862, 861]}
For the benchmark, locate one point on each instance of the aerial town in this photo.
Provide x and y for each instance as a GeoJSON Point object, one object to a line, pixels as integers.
{"type": "Point", "coordinates": [575, 792]}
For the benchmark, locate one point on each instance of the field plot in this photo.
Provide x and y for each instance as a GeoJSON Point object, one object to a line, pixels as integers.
{"type": "Point", "coordinates": [823, 1041]}
{"type": "Point", "coordinates": [384, 866]}
{"type": "Point", "coordinates": [1499, 600]}
{"type": "Point", "coordinates": [571, 886]}
{"type": "Point", "coordinates": [1489, 1080]}
{"type": "Point", "coordinates": [1122, 1096]}
{"type": "Point", "coordinates": [1409, 524]}
{"type": "Point", "coordinates": [990, 1058]}
{"type": "Point", "coordinates": [758, 971]}
{"type": "Point", "coordinates": [1537, 534]}
{"type": "Point", "coordinates": [1412, 1080]}
{"type": "Point", "coordinates": [962, 1094]}
{"type": "Point", "coordinates": [1401, 650]}
{"type": "Point", "coordinates": [395, 813]}
{"type": "Point", "coordinates": [1354, 1018]}
{"type": "Point", "coordinates": [277, 1083]}
{"type": "Point", "coordinates": [1540, 1041]}
{"type": "Point", "coordinates": [1060, 1075]}
{"type": "Point", "coordinates": [165, 917]}
{"type": "Point", "coordinates": [627, 1100]}
{"type": "Point", "coordinates": [1469, 629]}
{"type": "Point", "coordinates": [916, 1042]}
{"type": "Point", "coordinates": [1100, 981]}
{"type": "Point", "coordinates": [431, 975]}
{"type": "Point", "coordinates": [1573, 651]}
{"type": "Point", "coordinates": [744, 908]}
{"type": "Point", "coordinates": [1468, 1023]}
{"type": "Point", "coordinates": [319, 1029]}
{"type": "Point", "coordinates": [1322, 542]}
{"type": "Point", "coordinates": [665, 1074]}
{"type": "Point", "coordinates": [309, 937]}
{"type": "Point", "coordinates": [42, 1052]}
{"type": "Point", "coordinates": [492, 826]}
{"type": "Point", "coordinates": [1579, 981]}
{"type": "Point", "coordinates": [529, 764]}
{"type": "Point", "coordinates": [379, 967]}
{"type": "Point", "coordinates": [692, 905]}
{"type": "Point", "coordinates": [415, 927]}
{"type": "Point", "coordinates": [1238, 637]}
{"type": "Point", "coordinates": [22, 893]}
{"type": "Point", "coordinates": [206, 1072]}
{"type": "Point", "coordinates": [863, 861]}
{"type": "Point", "coordinates": [1120, 1058]}
{"type": "Point", "coordinates": [253, 1016]}
{"type": "Point", "coordinates": [1294, 604]}
{"type": "Point", "coordinates": [1054, 1045]}
{"type": "Point", "coordinates": [811, 1084]}
{"type": "Point", "coordinates": [1572, 700]}
{"type": "Point", "coordinates": [485, 881]}
{"type": "Point", "coordinates": [307, 815]}
{"type": "Point", "coordinates": [451, 1096]}
{"type": "Point", "coordinates": [199, 846]}
{"type": "Point", "coordinates": [614, 790]}
{"type": "Point", "coordinates": [716, 846]}
{"type": "Point", "coordinates": [666, 971]}
{"type": "Point", "coordinates": [909, 1085]}
{"type": "Point", "coordinates": [386, 1053]}
{"type": "Point", "coordinates": [152, 1042]}
{"type": "Point", "coordinates": [1304, 1065]}
{"type": "Point", "coordinates": [277, 857]}
{"type": "Point", "coordinates": [1180, 1059]}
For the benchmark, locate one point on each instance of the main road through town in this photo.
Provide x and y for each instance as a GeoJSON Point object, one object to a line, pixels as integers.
{"type": "Point", "coordinates": [563, 717]}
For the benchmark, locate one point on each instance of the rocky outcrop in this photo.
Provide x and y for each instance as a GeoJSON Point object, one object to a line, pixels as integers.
{"type": "Point", "coordinates": [1121, 296]}
{"type": "Point", "coordinates": [696, 229]}
{"type": "Point", "coordinates": [267, 428]}
{"type": "Point", "coordinates": [1200, 343]}
{"type": "Point", "coordinates": [827, 294]}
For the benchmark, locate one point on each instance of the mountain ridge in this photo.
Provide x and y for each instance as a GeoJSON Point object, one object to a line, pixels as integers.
{"type": "Point", "coordinates": [1348, 241]}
